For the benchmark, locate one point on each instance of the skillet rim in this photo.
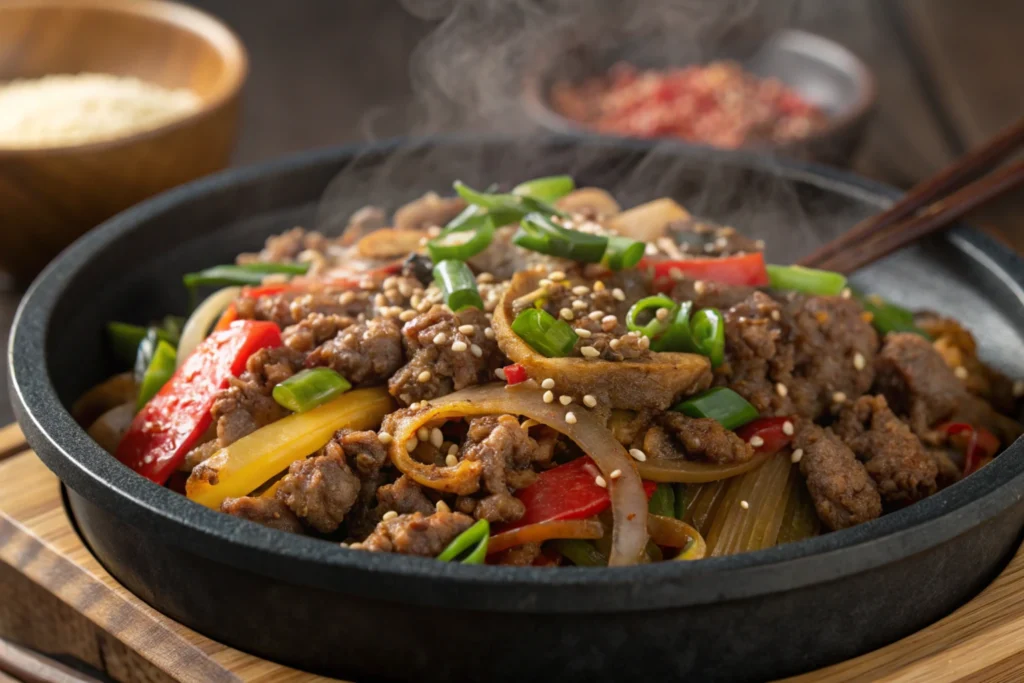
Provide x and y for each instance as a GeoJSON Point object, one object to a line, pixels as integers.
{"type": "Point", "coordinates": [101, 479]}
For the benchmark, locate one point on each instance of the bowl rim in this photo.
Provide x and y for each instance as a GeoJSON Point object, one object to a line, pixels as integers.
{"type": "Point", "coordinates": [200, 23]}
{"type": "Point", "coordinates": [96, 476]}
{"type": "Point", "coordinates": [536, 100]}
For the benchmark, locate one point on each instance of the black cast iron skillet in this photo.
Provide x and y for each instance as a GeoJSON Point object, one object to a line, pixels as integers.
{"type": "Point", "coordinates": [311, 604]}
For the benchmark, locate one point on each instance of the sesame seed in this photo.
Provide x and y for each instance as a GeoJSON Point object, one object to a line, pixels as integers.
{"type": "Point", "coordinates": [570, 417]}
{"type": "Point", "coordinates": [548, 383]}
{"type": "Point", "coordinates": [776, 315]}
{"type": "Point", "coordinates": [756, 441]}
{"type": "Point", "coordinates": [346, 298]}
{"type": "Point", "coordinates": [700, 286]}
{"type": "Point", "coordinates": [661, 313]}
{"type": "Point", "coordinates": [442, 506]}
{"type": "Point", "coordinates": [500, 374]}
{"type": "Point", "coordinates": [556, 276]}
{"type": "Point", "coordinates": [485, 277]}
{"type": "Point", "coordinates": [579, 305]}
{"type": "Point", "coordinates": [846, 293]}
{"type": "Point", "coordinates": [609, 319]}
{"type": "Point", "coordinates": [356, 546]}
{"type": "Point", "coordinates": [638, 455]}
{"type": "Point", "coordinates": [839, 397]}
{"type": "Point", "coordinates": [414, 406]}
{"type": "Point", "coordinates": [459, 346]}
{"type": "Point", "coordinates": [422, 433]}
{"type": "Point", "coordinates": [595, 315]}
{"type": "Point", "coordinates": [489, 332]}
{"type": "Point", "coordinates": [565, 399]}
{"type": "Point", "coordinates": [424, 376]}
{"type": "Point", "coordinates": [599, 286]}
{"type": "Point", "coordinates": [759, 244]}
{"type": "Point", "coordinates": [781, 389]}
{"type": "Point", "coordinates": [709, 247]}
{"type": "Point", "coordinates": [589, 352]}
{"type": "Point", "coordinates": [651, 249]}
{"type": "Point", "coordinates": [797, 454]}
{"type": "Point", "coordinates": [406, 316]}
{"type": "Point", "coordinates": [450, 460]}
{"type": "Point", "coordinates": [960, 371]}
{"type": "Point", "coordinates": [721, 243]}
{"type": "Point", "coordinates": [599, 480]}
{"type": "Point", "coordinates": [466, 329]}
{"type": "Point", "coordinates": [476, 350]}
{"type": "Point", "coordinates": [787, 428]}
{"type": "Point", "coordinates": [645, 342]}
{"type": "Point", "coordinates": [614, 344]}
{"type": "Point", "coordinates": [589, 401]}
{"type": "Point", "coordinates": [411, 444]}
{"type": "Point", "coordinates": [580, 290]}
{"type": "Point", "coordinates": [453, 449]}
{"type": "Point", "coordinates": [858, 361]}
{"type": "Point", "coordinates": [745, 505]}
{"type": "Point", "coordinates": [618, 294]}
{"type": "Point", "coordinates": [548, 397]}
{"type": "Point", "coordinates": [390, 514]}
{"type": "Point", "coordinates": [384, 438]}
{"type": "Point", "coordinates": [615, 474]}
{"type": "Point", "coordinates": [566, 314]}
{"type": "Point", "coordinates": [436, 437]}
{"type": "Point", "coordinates": [582, 332]}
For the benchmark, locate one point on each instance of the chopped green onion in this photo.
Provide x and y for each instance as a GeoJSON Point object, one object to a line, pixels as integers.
{"type": "Point", "coordinates": [806, 280]}
{"type": "Point", "coordinates": [685, 495]}
{"type": "Point", "coordinates": [888, 317]}
{"type": "Point", "coordinates": [161, 367]}
{"type": "Point", "coordinates": [310, 388]}
{"type": "Point", "coordinates": [663, 501]}
{"type": "Point", "coordinates": [476, 538]}
{"type": "Point", "coordinates": [546, 189]}
{"type": "Point", "coordinates": [708, 329]}
{"type": "Point", "coordinates": [456, 281]}
{"type": "Point", "coordinates": [544, 333]}
{"type": "Point", "coordinates": [125, 339]}
{"type": "Point", "coordinates": [268, 268]}
{"type": "Point", "coordinates": [463, 242]}
{"type": "Point", "coordinates": [581, 553]}
{"type": "Point", "coordinates": [623, 253]}
{"type": "Point", "coordinates": [654, 326]}
{"type": "Point", "coordinates": [539, 233]}
{"type": "Point", "coordinates": [248, 274]}
{"type": "Point", "coordinates": [486, 200]}
{"type": "Point", "coordinates": [721, 404]}
{"type": "Point", "coordinates": [678, 336]}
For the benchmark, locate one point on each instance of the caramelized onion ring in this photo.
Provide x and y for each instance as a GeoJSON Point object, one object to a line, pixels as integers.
{"type": "Point", "coordinates": [671, 470]}
{"type": "Point", "coordinates": [673, 533]}
{"type": "Point", "coordinates": [545, 531]}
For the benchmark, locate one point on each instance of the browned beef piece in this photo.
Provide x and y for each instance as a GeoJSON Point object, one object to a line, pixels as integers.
{"type": "Point", "coordinates": [706, 294]}
{"type": "Point", "coordinates": [365, 353]}
{"type": "Point", "coordinates": [269, 512]}
{"type": "Point", "coordinates": [282, 248]}
{"type": "Point", "coordinates": [314, 331]}
{"type": "Point", "coordinates": [428, 211]}
{"type": "Point", "coordinates": [322, 489]}
{"type": "Point", "coordinates": [949, 472]}
{"type": "Point", "coordinates": [404, 496]}
{"type": "Point", "coordinates": [201, 453]}
{"type": "Point", "coordinates": [698, 238]}
{"type": "Point", "coordinates": [842, 490]}
{"type": "Point", "coordinates": [519, 556]}
{"type": "Point", "coordinates": [799, 355]}
{"type": "Point", "coordinates": [894, 457]}
{"type": "Point", "coordinates": [417, 534]}
{"type": "Point", "coordinates": [290, 307]}
{"type": "Point", "coordinates": [677, 436]}
{"type": "Point", "coordinates": [435, 366]}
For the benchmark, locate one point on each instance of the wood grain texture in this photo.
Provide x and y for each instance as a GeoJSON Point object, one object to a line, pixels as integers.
{"type": "Point", "coordinates": [54, 195]}
{"type": "Point", "coordinates": [12, 441]}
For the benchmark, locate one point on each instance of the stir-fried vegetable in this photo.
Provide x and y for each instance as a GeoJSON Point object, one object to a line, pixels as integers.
{"type": "Point", "coordinates": [157, 373]}
{"type": "Point", "coordinates": [581, 553]}
{"type": "Point", "coordinates": [515, 374]}
{"type": "Point", "coordinates": [539, 233]}
{"type": "Point", "coordinates": [544, 333]}
{"type": "Point", "coordinates": [658, 322]}
{"type": "Point", "coordinates": [178, 415]}
{"type": "Point", "coordinates": [509, 207]}
{"type": "Point", "coordinates": [800, 520]}
{"type": "Point", "coordinates": [670, 532]}
{"type": "Point", "coordinates": [663, 501]}
{"type": "Point", "coordinates": [591, 200]}
{"type": "Point", "coordinates": [721, 404]}
{"type": "Point", "coordinates": [649, 221]}
{"type": "Point", "coordinates": [456, 282]}
{"type": "Point", "coordinates": [978, 444]}
{"type": "Point", "coordinates": [117, 390]}
{"type": "Point", "coordinates": [545, 531]}
{"type": "Point", "coordinates": [770, 433]}
{"type": "Point", "coordinates": [547, 189]}
{"type": "Point", "coordinates": [739, 270]}
{"type": "Point", "coordinates": [469, 547]}
{"type": "Point", "coordinates": [752, 510]}
{"type": "Point", "coordinates": [125, 338]}
{"type": "Point", "coordinates": [622, 253]}
{"type": "Point", "coordinates": [310, 388]}
{"type": "Point", "coordinates": [677, 336]}
{"type": "Point", "coordinates": [463, 242]}
{"type": "Point", "coordinates": [253, 460]}
{"type": "Point", "coordinates": [806, 280]}
{"type": "Point", "coordinates": [248, 274]}
{"type": "Point", "coordinates": [199, 323]}
{"type": "Point", "coordinates": [707, 330]}
{"type": "Point", "coordinates": [888, 317]}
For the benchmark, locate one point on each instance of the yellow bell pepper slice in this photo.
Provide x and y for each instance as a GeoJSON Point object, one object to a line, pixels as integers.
{"type": "Point", "coordinates": [253, 460]}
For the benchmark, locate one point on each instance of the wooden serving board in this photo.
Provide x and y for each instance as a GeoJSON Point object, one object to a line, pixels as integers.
{"type": "Point", "coordinates": [56, 598]}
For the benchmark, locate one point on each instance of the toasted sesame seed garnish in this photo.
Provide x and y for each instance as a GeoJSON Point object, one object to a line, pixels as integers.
{"type": "Point", "coordinates": [599, 480]}
{"type": "Point", "coordinates": [565, 399]}
{"type": "Point", "coordinates": [797, 454]}
{"type": "Point", "coordinates": [960, 372]}
{"type": "Point", "coordinates": [721, 243]}
{"type": "Point", "coordinates": [570, 417]}
{"type": "Point", "coordinates": [839, 397]}
{"type": "Point", "coordinates": [580, 290]}
{"type": "Point", "coordinates": [675, 274]}
{"type": "Point", "coordinates": [589, 352]}
{"type": "Point", "coordinates": [579, 305]}
{"type": "Point", "coordinates": [384, 438]}
{"type": "Point", "coordinates": [453, 449]}
{"type": "Point", "coordinates": [442, 506]}
{"type": "Point", "coordinates": [858, 361]}
{"type": "Point", "coordinates": [599, 286]}
{"type": "Point", "coordinates": [846, 293]}
{"type": "Point", "coordinates": [566, 314]}
{"type": "Point", "coordinates": [745, 505]}
{"type": "Point", "coordinates": [618, 294]}
{"type": "Point", "coordinates": [544, 282]}
{"type": "Point", "coordinates": [645, 342]}
{"type": "Point", "coordinates": [390, 514]}
{"type": "Point", "coordinates": [615, 474]}
{"type": "Point", "coordinates": [548, 383]}
{"type": "Point", "coordinates": [781, 389]}
{"type": "Point", "coordinates": [476, 350]}
{"type": "Point", "coordinates": [489, 332]}
{"type": "Point", "coordinates": [414, 406]}
{"type": "Point", "coordinates": [759, 244]}
{"type": "Point", "coordinates": [548, 397]}
{"type": "Point", "coordinates": [756, 441]}
{"type": "Point", "coordinates": [699, 286]}
{"type": "Point", "coordinates": [661, 313]}
{"type": "Point", "coordinates": [485, 277]}
{"type": "Point", "coordinates": [709, 247]}
{"type": "Point", "coordinates": [651, 249]}
{"type": "Point", "coordinates": [411, 444]}
{"type": "Point", "coordinates": [424, 376]}
{"type": "Point", "coordinates": [406, 316]}
{"type": "Point", "coordinates": [609, 319]}
{"type": "Point", "coordinates": [466, 329]}
{"type": "Point", "coordinates": [422, 433]}
{"type": "Point", "coordinates": [583, 332]}
{"type": "Point", "coordinates": [450, 460]}
{"type": "Point", "coordinates": [638, 455]}
{"type": "Point", "coordinates": [436, 437]}
{"type": "Point", "coordinates": [787, 428]}
{"type": "Point", "coordinates": [776, 315]}
{"type": "Point", "coordinates": [595, 315]}
{"type": "Point", "coordinates": [556, 276]}
{"type": "Point", "coordinates": [500, 374]}
{"type": "Point", "coordinates": [347, 297]}
{"type": "Point", "coordinates": [589, 401]}
{"type": "Point", "coordinates": [459, 346]}
{"type": "Point", "coordinates": [614, 344]}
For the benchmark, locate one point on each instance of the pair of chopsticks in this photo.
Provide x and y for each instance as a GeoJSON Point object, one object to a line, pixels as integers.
{"type": "Point", "coordinates": [929, 206]}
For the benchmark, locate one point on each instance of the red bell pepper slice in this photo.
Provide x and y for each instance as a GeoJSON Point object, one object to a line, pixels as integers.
{"type": "Point", "coordinates": [170, 424]}
{"type": "Point", "coordinates": [772, 431]}
{"type": "Point", "coordinates": [740, 270]}
{"type": "Point", "coordinates": [568, 491]}
{"type": "Point", "coordinates": [515, 373]}
{"type": "Point", "coordinates": [979, 444]}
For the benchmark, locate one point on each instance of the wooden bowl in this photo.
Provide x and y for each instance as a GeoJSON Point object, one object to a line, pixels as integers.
{"type": "Point", "coordinates": [51, 196]}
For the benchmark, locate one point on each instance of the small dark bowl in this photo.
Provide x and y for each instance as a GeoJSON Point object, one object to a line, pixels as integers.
{"type": "Point", "coordinates": [821, 70]}
{"type": "Point", "coordinates": [366, 616]}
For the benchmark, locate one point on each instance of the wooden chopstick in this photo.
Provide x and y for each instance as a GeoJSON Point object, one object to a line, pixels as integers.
{"type": "Point", "coordinates": [964, 170]}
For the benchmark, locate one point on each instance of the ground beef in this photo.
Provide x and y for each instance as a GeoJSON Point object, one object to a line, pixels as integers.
{"type": "Point", "coordinates": [903, 472]}
{"type": "Point", "coordinates": [404, 496]}
{"type": "Point", "coordinates": [692, 237]}
{"type": "Point", "coordinates": [799, 356]}
{"type": "Point", "coordinates": [676, 436]}
{"type": "Point", "coordinates": [284, 247]}
{"type": "Point", "coordinates": [707, 294]}
{"type": "Point", "coordinates": [269, 512]}
{"type": "Point", "coordinates": [417, 534]}
{"type": "Point", "coordinates": [322, 489]}
{"type": "Point", "coordinates": [444, 355]}
{"type": "Point", "coordinates": [291, 307]}
{"type": "Point", "coordinates": [314, 331]}
{"type": "Point", "coordinates": [519, 556]}
{"type": "Point", "coordinates": [842, 490]}
{"type": "Point", "coordinates": [365, 353]}
{"type": "Point", "coordinates": [428, 211]}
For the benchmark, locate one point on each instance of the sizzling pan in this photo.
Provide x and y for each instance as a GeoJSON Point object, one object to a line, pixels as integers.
{"type": "Point", "coordinates": [363, 616]}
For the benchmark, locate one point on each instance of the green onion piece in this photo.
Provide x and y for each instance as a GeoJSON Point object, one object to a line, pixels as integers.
{"type": "Point", "coordinates": [546, 189]}
{"type": "Point", "coordinates": [486, 200]}
{"type": "Point", "coordinates": [456, 281]}
{"type": "Point", "coordinates": [544, 333]}
{"type": "Point", "coordinates": [581, 553]}
{"type": "Point", "coordinates": [685, 495]}
{"type": "Point", "coordinates": [721, 404]}
{"type": "Point", "coordinates": [623, 253]}
{"type": "Point", "coordinates": [548, 238]}
{"type": "Point", "coordinates": [310, 388]}
{"type": "Point", "coordinates": [474, 540]}
{"type": "Point", "coordinates": [270, 268]}
{"type": "Point", "coordinates": [678, 336]}
{"type": "Point", "coordinates": [464, 216]}
{"type": "Point", "coordinates": [463, 242]}
{"type": "Point", "coordinates": [663, 502]}
{"type": "Point", "coordinates": [654, 326]}
{"type": "Point", "coordinates": [806, 280]}
{"type": "Point", "coordinates": [888, 317]}
{"type": "Point", "coordinates": [708, 329]}
{"type": "Point", "coordinates": [248, 274]}
{"type": "Point", "coordinates": [125, 339]}
{"type": "Point", "coordinates": [161, 367]}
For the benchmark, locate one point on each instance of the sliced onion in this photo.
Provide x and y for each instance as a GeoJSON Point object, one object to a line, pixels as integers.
{"type": "Point", "coordinates": [545, 531]}
{"type": "Point", "coordinates": [706, 502]}
{"type": "Point", "coordinates": [667, 470]}
{"type": "Point", "coordinates": [198, 325]}
{"type": "Point", "coordinates": [629, 503]}
{"type": "Point", "coordinates": [109, 428]}
{"type": "Point", "coordinates": [738, 529]}
{"type": "Point", "coordinates": [670, 532]}
{"type": "Point", "coordinates": [800, 519]}
{"type": "Point", "coordinates": [102, 397]}
{"type": "Point", "coordinates": [649, 221]}
{"type": "Point", "coordinates": [589, 198]}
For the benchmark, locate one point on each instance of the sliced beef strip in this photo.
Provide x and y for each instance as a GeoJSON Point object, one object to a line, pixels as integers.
{"type": "Point", "coordinates": [269, 512]}
{"type": "Point", "coordinates": [435, 368]}
{"type": "Point", "coordinates": [903, 472]}
{"type": "Point", "coordinates": [676, 436]}
{"type": "Point", "coordinates": [365, 353]}
{"type": "Point", "coordinates": [842, 490]}
{"type": "Point", "coordinates": [322, 489]}
{"type": "Point", "coordinates": [404, 496]}
{"type": "Point", "coordinates": [314, 330]}
{"type": "Point", "coordinates": [417, 534]}
{"type": "Point", "coordinates": [519, 556]}
{"type": "Point", "coordinates": [292, 306]}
